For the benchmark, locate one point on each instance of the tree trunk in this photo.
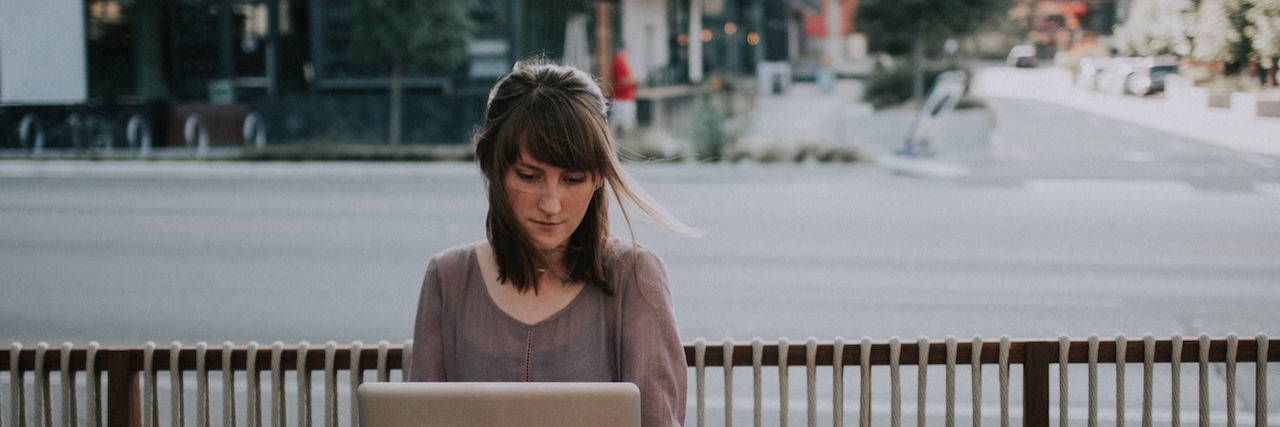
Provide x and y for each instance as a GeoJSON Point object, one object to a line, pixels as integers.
{"type": "Point", "coordinates": [917, 59]}
{"type": "Point", "coordinates": [1275, 71]}
{"type": "Point", "coordinates": [397, 92]}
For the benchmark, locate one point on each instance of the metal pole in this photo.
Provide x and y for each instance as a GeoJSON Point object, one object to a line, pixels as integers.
{"type": "Point", "coordinates": [695, 41]}
{"type": "Point", "coordinates": [604, 42]}
{"type": "Point", "coordinates": [319, 61]}
{"type": "Point", "coordinates": [273, 39]}
{"type": "Point", "coordinates": [515, 14]}
{"type": "Point", "coordinates": [227, 65]}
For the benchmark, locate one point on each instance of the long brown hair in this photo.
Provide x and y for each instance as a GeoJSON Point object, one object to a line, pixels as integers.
{"type": "Point", "coordinates": [558, 115]}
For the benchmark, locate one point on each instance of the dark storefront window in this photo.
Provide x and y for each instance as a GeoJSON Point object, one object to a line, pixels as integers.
{"type": "Point", "coordinates": [125, 49]}
{"type": "Point", "coordinates": [677, 42]}
{"type": "Point", "coordinates": [226, 45]}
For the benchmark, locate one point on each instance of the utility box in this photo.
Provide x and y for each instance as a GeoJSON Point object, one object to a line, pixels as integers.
{"type": "Point", "coordinates": [42, 52]}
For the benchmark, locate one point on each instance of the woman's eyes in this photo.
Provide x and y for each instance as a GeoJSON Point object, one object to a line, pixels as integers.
{"type": "Point", "coordinates": [571, 179]}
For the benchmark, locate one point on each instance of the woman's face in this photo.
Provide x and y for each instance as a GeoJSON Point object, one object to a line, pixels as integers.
{"type": "Point", "coordinates": [548, 202]}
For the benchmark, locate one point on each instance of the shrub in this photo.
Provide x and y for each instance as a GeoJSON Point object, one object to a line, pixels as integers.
{"type": "Point", "coordinates": [891, 86]}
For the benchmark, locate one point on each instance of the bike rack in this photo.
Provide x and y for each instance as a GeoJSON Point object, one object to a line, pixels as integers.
{"type": "Point", "coordinates": [255, 131]}
{"type": "Point", "coordinates": [138, 133]}
{"type": "Point", "coordinates": [195, 132]}
{"type": "Point", "coordinates": [31, 134]}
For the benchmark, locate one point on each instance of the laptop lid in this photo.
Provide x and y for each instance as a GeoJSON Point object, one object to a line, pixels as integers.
{"type": "Point", "coordinates": [499, 404]}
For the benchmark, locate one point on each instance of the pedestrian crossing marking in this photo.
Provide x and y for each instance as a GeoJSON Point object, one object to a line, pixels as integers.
{"type": "Point", "coordinates": [1108, 186]}
{"type": "Point", "coordinates": [1267, 188]}
{"type": "Point", "coordinates": [1259, 160]}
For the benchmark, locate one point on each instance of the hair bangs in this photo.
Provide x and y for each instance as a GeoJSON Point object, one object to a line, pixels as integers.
{"type": "Point", "coordinates": [559, 131]}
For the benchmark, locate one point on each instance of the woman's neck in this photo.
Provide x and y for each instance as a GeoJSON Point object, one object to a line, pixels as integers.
{"type": "Point", "coordinates": [555, 262]}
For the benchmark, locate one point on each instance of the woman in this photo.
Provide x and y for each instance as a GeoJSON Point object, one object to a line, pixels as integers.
{"type": "Point", "coordinates": [549, 296]}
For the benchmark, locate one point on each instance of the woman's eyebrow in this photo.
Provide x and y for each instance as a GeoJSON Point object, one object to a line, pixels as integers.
{"type": "Point", "coordinates": [528, 165]}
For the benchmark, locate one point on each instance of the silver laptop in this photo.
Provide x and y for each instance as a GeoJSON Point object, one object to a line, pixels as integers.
{"type": "Point", "coordinates": [499, 404]}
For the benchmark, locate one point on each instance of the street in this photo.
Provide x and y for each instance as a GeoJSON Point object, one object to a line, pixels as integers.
{"type": "Point", "coordinates": [789, 251]}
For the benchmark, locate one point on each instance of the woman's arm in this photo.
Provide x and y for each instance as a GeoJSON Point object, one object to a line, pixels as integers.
{"type": "Point", "coordinates": [428, 361]}
{"type": "Point", "coordinates": [652, 355]}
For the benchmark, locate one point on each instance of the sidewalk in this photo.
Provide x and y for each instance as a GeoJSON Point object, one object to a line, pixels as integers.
{"type": "Point", "coordinates": [804, 115]}
{"type": "Point", "coordinates": [1215, 126]}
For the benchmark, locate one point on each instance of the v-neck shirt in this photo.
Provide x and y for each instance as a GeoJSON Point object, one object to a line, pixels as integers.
{"type": "Point", "coordinates": [461, 334]}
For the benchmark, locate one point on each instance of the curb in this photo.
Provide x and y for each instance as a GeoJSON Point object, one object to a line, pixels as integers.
{"type": "Point", "coordinates": [922, 168]}
{"type": "Point", "coordinates": [223, 170]}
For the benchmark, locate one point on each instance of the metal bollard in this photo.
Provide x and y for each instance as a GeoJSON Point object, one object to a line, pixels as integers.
{"type": "Point", "coordinates": [31, 134]}
{"type": "Point", "coordinates": [255, 131]}
{"type": "Point", "coordinates": [138, 133]}
{"type": "Point", "coordinates": [75, 126]}
{"type": "Point", "coordinates": [196, 133]}
{"type": "Point", "coordinates": [93, 127]}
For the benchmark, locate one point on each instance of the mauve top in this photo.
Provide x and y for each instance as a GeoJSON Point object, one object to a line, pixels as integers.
{"type": "Point", "coordinates": [460, 334]}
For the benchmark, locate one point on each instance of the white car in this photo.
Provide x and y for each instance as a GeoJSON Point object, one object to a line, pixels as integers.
{"type": "Point", "coordinates": [1023, 55]}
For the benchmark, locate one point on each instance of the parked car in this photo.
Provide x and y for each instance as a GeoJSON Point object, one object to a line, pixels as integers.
{"type": "Point", "coordinates": [1088, 71]}
{"type": "Point", "coordinates": [1113, 76]}
{"type": "Point", "coordinates": [1022, 56]}
{"type": "Point", "coordinates": [1149, 76]}
{"type": "Point", "coordinates": [1131, 76]}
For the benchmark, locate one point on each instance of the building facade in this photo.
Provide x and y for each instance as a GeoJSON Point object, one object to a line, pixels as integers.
{"type": "Point", "coordinates": [288, 62]}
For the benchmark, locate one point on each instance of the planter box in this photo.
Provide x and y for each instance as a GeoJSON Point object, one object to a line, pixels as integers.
{"type": "Point", "coordinates": [1269, 107]}
{"type": "Point", "coordinates": [1219, 99]}
{"type": "Point", "coordinates": [1254, 104]}
{"type": "Point", "coordinates": [1183, 93]}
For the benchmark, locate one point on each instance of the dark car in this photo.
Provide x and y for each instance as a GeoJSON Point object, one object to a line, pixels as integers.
{"type": "Point", "coordinates": [1144, 76]}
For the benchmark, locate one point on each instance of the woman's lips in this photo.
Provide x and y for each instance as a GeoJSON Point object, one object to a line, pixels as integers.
{"type": "Point", "coordinates": [544, 223]}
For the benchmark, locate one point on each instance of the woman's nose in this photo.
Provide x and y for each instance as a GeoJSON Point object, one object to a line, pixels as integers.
{"type": "Point", "coordinates": [549, 203]}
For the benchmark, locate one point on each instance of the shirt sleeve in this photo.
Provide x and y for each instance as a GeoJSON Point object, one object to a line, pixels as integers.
{"type": "Point", "coordinates": [652, 355]}
{"type": "Point", "coordinates": [427, 361]}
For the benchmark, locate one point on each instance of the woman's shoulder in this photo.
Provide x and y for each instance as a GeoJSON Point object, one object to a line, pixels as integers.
{"type": "Point", "coordinates": [454, 258]}
{"type": "Point", "coordinates": [623, 254]}
{"type": "Point", "coordinates": [638, 271]}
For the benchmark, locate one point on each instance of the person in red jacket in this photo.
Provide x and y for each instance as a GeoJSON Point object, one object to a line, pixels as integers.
{"type": "Point", "coordinates": [623, 108]}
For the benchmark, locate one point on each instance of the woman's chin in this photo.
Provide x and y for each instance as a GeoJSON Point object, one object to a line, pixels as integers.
{"type": "Point", "coordinates": [549, 247]}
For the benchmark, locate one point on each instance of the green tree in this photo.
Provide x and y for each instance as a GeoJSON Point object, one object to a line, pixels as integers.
{"type": "Point", "coordinates": [398, 36]}
{"type": "Point", "coordinates": [1220, 33]}
{"type": "Point", "coordinates": [894, 26]}
{"type": "Point", "coordinates": [898, 26]}
{"type": "Point", "coordinates": [1156, 27]}
{"type": "Point", "coordinates": [1264, 18]}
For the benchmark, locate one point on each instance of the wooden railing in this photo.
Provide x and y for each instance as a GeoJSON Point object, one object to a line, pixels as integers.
{"type": "Point", "coordinates": [132, 398]}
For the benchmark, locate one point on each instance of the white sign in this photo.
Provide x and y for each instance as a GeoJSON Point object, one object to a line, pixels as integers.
{"type": "Point", "coordinates": [946, 92]}
{"type": "Point", "coordinates": [42, 52]}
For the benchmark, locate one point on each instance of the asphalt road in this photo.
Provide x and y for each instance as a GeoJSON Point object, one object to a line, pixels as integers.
{"type": "Point", "coordinates": [789, 251]}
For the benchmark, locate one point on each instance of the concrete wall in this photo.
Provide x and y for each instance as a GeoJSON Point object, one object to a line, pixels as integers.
{"type": "Point", "coordinates": [42, 52]}
{"type": "Point", "coordinates": [644, 30]}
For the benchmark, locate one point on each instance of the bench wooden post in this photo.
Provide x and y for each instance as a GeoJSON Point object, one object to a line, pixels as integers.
{"type": "Point", "coordinates": [1035, 385]}
{"type": "Point", "coordinates": [124, 401]}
